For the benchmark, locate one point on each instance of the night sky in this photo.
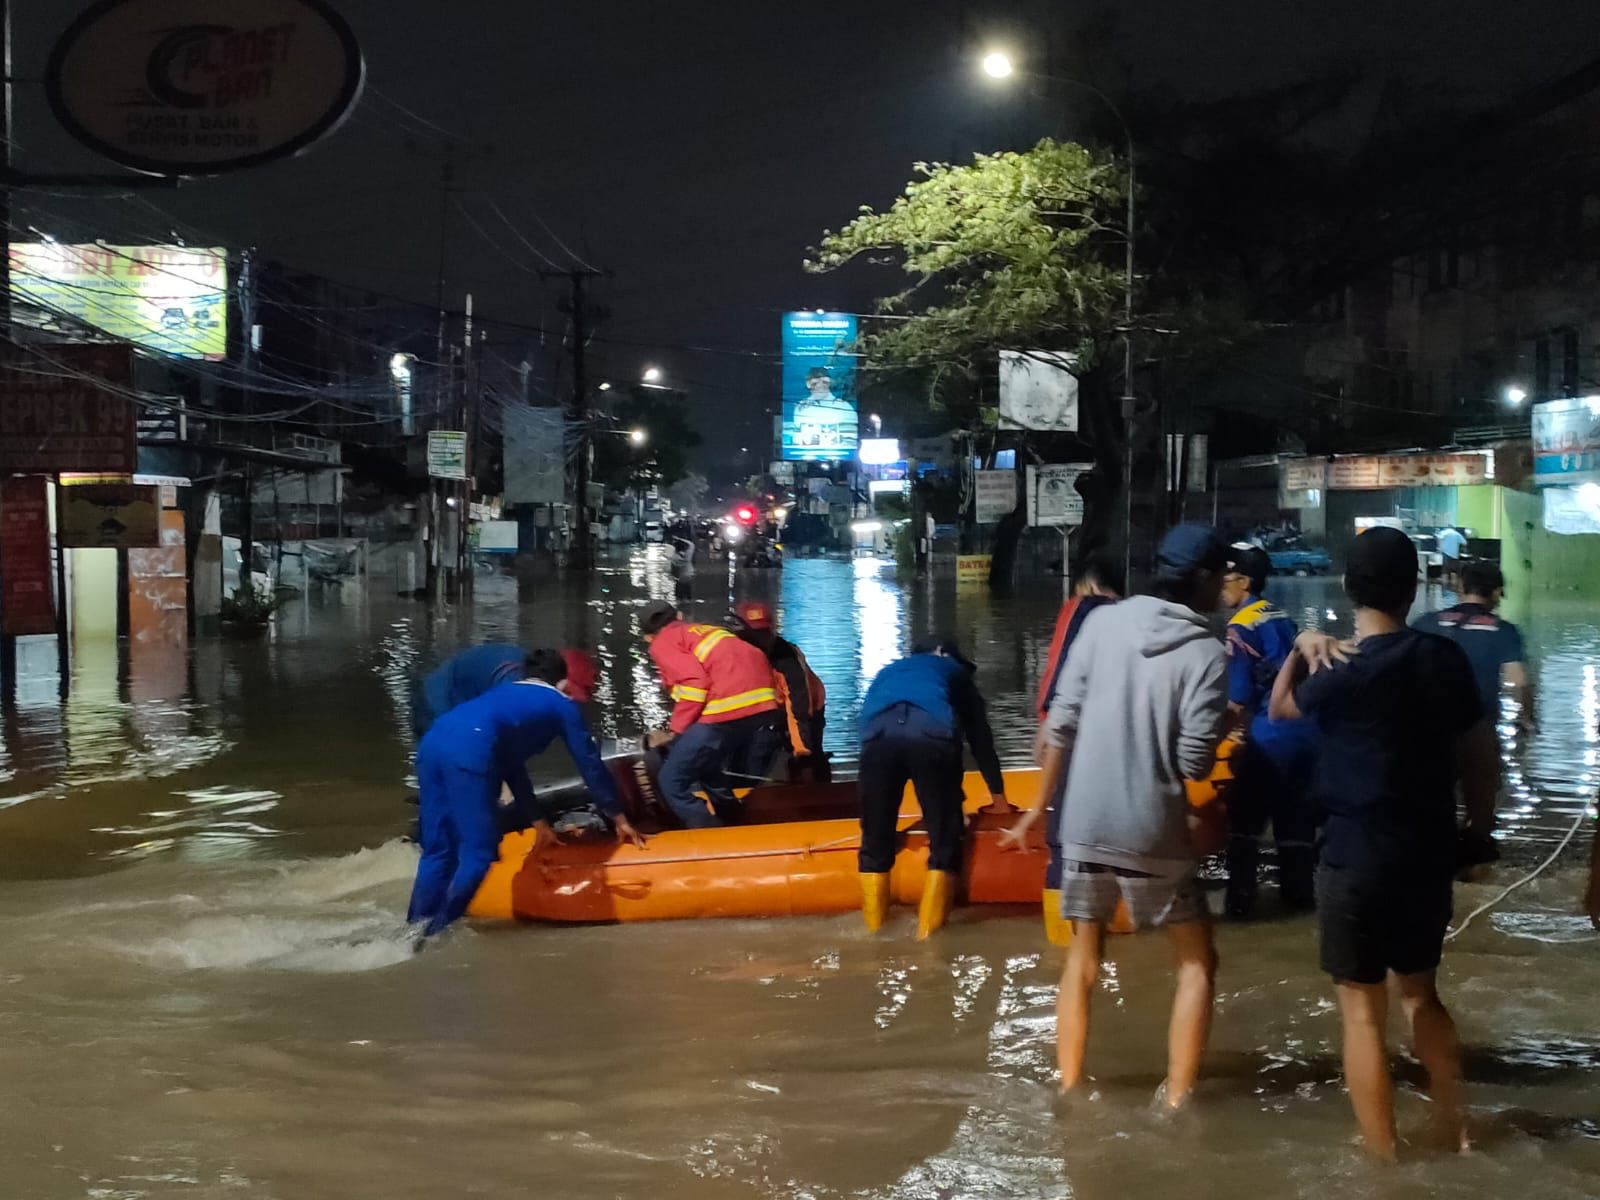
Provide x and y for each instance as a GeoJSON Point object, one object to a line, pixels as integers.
{"type": "Point", "coordinates": [696, 150]}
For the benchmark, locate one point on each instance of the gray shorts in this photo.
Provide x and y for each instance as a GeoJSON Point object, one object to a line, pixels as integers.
{"type": "Point", "coordinates": [1102, 894]}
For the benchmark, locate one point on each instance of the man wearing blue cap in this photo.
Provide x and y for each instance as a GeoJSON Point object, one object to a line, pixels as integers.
{"type": "Point", "coordinates": [1158, 675]}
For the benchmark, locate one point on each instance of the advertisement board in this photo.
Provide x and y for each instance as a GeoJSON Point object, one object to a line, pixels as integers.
{"type": "Point", "coordinates": [495, 537]}
{"type": "Point", "coordinates": [1378, 471]}
{"type": "Point", "coordinates": [1572, 510]}
{"type": "Point", "coordinates": [1038, 391]}
{"type": "Point", "coordinates": [108, 516]}
{"type": "Point", "coordinates": [819, 387]}
{"type": "Point", "coordinates": [1305, 475]}
{"type": "Point", "coordinates": [973, 569]}
{"type": "Point", "coordinates": [191, 87]}
{"type": "Point", "coordinates": [67, 408]}
{"type": "Point", "coordinates": [170, 299]}
{"type": "Point", "coordinates": [447, 454]}
{"type": "Point", "coordinates": [1566, 442]}
{"type": "Point", "coordinates": [994, 495]}
{"type": "Point", "coordinates": [535, 455]}
{"type": "Point", "coordinates": [27, 603]}
{"type": "Point", "coordinates": [1053, 498]}
{"type": "Point", "coordinates": [879, 451]}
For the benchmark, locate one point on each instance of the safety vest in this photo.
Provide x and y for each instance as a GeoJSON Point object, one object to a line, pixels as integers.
{"type": "Point", "coordinates": [712, 675]}
{"type": "Point", "coordinates": [816, 694]}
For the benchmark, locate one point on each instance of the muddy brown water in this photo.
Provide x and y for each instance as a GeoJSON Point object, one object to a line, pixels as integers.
{"type": "Point", "coordinates": [205, 990]}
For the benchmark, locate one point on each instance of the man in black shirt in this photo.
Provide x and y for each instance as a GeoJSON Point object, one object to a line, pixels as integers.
{"type": "Point", "coordinates": [1493, 645]}
{"type": "Point", "coordinates": [1400, 723]}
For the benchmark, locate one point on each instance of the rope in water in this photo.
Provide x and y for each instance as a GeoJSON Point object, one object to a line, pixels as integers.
{"type": "Point", "coordinates": [1583, 816]}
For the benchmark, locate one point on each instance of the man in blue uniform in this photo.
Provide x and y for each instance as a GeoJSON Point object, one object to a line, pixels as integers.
{"type": "Point", "coordinates": [1273, 767]}
{"type": "Point", "coordinates": [913, 720]}
{"type": "Point", "coordinates": [461, 764]}
{"type": "Point", "coordinates": [462, 677]}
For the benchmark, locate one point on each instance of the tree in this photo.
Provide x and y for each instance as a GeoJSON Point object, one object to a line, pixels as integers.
{"type": "Point", "coordinates": [1015, 251]}
{"type": "Point", "coordinates": [663, 458]}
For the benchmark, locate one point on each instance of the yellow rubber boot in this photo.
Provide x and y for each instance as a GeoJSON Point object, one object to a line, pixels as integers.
{"type": "Point", "coordinates": [1057, 931]}
{"type": "Point", "coordinates": [874, 899]}
{"type": "Point", "coordinates": [938, 893]}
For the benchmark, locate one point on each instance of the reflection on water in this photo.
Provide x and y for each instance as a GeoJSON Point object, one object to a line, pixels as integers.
{"type": "Point", "coordinates": [201, 889]}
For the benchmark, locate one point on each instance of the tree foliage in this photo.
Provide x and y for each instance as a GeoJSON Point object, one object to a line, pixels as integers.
{"type": "Point", "coordinates": [1012, 250]}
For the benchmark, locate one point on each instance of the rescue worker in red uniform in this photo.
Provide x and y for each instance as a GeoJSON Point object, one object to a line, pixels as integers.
{"type": "Point", "coordinates": [725, 716]}
{"type": "Point", "coordinates": [800, 693]}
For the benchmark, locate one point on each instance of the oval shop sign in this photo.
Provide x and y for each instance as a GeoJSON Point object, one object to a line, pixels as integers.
{"type": "Point", "coordinates": [196, 87]}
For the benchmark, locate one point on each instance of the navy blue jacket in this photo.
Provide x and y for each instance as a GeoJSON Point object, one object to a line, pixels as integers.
{"type": "Point", "coordinates": [463, 677]}
{"type": "Point", "coordinates": [496, 734]}
{"type": "Point", "coordinates": [943, 689]}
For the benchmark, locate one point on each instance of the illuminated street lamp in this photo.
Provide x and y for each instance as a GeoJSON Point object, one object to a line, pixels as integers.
{"type": "Point", "coordinates": [638, 436]}
{"type": "Point", "coordinates": [400, 372]}
{"type": "Point", "coordinates": [998, 65]}
{"type": "Point", "coordinates": [605, 387]}
{"type": "Point", "coordinates": [652, 374]}
{"type": "Point", "coordinates": [1516, 396]}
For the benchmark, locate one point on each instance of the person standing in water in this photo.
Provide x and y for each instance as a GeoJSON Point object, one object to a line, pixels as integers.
{"type": "Point", "coordinates": [1141, 707]}
{"type": "Point", "coordinates": [1400, 724]}
{"type": "Point", "coordinates": [461, 764]}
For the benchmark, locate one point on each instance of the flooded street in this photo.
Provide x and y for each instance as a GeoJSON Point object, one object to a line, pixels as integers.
{"type": "Point", "coordinates": [206, 991]}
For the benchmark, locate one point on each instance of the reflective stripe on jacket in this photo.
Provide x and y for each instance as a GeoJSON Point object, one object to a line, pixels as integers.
{"type": "Point", "coordinates": [712, 675]}
{"type": "Point", "coordinates": [801, 710]}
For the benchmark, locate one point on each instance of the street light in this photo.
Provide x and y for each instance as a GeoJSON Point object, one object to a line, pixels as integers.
{"type": "Point", "coordinates": [605, 387]}
{"type": "Point", "coordinates": [638, 436]}
{"type": "Point", "coordinates": [652, 374]}
{"type": "Point", "coordinates": [1515, 396]}
{"type": "Point", "coordinates": [400, 372]}
{"type": "Point", "coordinates": [998, 65]}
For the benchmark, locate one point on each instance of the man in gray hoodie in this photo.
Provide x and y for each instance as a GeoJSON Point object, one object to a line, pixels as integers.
{"type": "Point", "coordinates": [1140, 709]}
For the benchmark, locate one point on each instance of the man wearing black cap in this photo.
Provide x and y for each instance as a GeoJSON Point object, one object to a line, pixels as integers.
{"type": "Point", "coordinates": [1273, 766]}
{"type": "Point", "coordinates": [1158, 677]}
{"type": "Point", "coordinates": [1400, 723]}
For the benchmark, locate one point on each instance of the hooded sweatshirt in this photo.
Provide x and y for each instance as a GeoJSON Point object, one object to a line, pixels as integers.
{"type": "Point", "coordinates": [1141, 705]}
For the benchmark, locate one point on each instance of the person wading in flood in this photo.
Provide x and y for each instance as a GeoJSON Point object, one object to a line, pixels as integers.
{"type": "Point", "coordinates": [1400, 724]}
{"type": "Point", "coordinates": [800, 692]}
{"type": "Point", "coordinates": [461, 763]}
{"type": "Point", "coordinates": [913, 720]}
{"type": "Point", "coordinates": [1099, 583]}
{"type": "Point", "coordinates": [1141, 708]}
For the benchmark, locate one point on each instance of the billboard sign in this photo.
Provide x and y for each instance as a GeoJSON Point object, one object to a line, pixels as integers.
{"type": "Point", "coordinates": [994, 495]}
{"type": "Point", "coordinates": [170, 299]}
{"type": "Point", "coordinates": [1038, 391]}
{"type": "Point", "coordinates": [819, 387]}
{"type": "Point", "coordinates": [1053, 498]}
{"type": "Point", "coordinates": [67, 408]}
{"type": "Point", "coordinates": [879, 452]}
{"type": "Point", "coordinates": [108, 516]}
{"type": "Point", "coordinates": [1376, 472]}
{"type": "Point", "coordinates": [447, 454]}
{"type": "Point", "coordinates": [1566, 442]}
{"type": "Point", "coordinates": [535, 455]}
{"type": "Point", "coordinates": [27, 598]}
{"type": "Point", "coordinates": [193, 87]}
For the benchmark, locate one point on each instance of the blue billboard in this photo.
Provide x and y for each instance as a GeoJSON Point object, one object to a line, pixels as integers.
{"type": "Point", "coordinates": [819, 387]}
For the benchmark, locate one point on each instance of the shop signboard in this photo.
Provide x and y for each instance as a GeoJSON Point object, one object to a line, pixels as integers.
{"type": "Point", "coordinates": [108, 516]}
{"type": "Point", "coordinates": [1566, 442]}
{"type": "Point", "coordinates": [27, 598]}
{"type": "Point", "coordinates": [193, 87]}
{"type": "Point", "coordinates": [994, 495]}
{"type": "Point", "coordinates": [973, 569]}
{"type": "Point", "coordinates": [67, 408]}
{"type": "Point", "coordinates": [819, 387]}
{"type": "Point", "coordinates": [1379, 471]}
{"type": "Point", "coordinates": [1305, 475]}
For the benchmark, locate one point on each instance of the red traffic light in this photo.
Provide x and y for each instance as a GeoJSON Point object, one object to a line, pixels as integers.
{"type": "Point", "coordinates": [745, 515]}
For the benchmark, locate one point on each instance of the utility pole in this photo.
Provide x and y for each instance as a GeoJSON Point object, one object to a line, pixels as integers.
{"type": "Point", "coordinates": [464, 487]}
{"type": "Point", "coordinates": [442, 381]}
{"type": "Point", "coordinates": [8, 644]}
{"type": "Point", "coordinates": [581, 557]}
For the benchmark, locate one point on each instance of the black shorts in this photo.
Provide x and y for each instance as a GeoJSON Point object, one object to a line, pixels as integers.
{"type": "Point", "coordinates": [1373, 922]}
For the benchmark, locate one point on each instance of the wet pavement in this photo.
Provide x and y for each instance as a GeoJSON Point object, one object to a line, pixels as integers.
{"type": "Point", "coordinates": [205, 989]}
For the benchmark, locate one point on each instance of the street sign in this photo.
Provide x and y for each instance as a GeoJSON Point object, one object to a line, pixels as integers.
{"type": "Point", "coordinates": [447, 454]}
{"type": "Point", "coordinates": [67, 408]}
{"type": "Point", "coordinates": [108, 516]}
{"type": "Point", "coordinates": [191, 87]}
{"type": "Point", "coordinates": [27, 603]}
{"type": "Point", "coordinates": [1053, 498]}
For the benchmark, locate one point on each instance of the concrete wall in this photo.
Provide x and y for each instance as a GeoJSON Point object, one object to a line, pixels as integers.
{"type": "Point", "coordinates": [1536, 561]}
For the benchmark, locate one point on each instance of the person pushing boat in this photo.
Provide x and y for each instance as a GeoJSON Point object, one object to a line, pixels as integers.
{"type": "Point", "coordinates": [800, 693]}
{"type": "Point", "coordinates": [462, 762]}
{"type": "Point", "coordinates": [913, 720]}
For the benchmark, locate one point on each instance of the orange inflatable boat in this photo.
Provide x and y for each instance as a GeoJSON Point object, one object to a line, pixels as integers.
{"type": "Point", "coordinates": [793, 855]}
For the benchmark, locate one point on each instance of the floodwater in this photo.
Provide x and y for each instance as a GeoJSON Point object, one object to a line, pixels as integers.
{"type": "Point", "coordinates": [205, 990]}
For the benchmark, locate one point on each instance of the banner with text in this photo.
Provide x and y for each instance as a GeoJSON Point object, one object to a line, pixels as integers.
{"type": "Point", "coordinates": [1053, 498]}
{"type": "Point", "coordinates": [819, 387]}
{"type": "Point", "coordinates": [27, 603]}
{"type": "Point", "coordinates": [1566, 442]}
{"type": "Point", "coordinates": [67, 408]}
{"type": "Point", "coordinates": [994, 495]}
